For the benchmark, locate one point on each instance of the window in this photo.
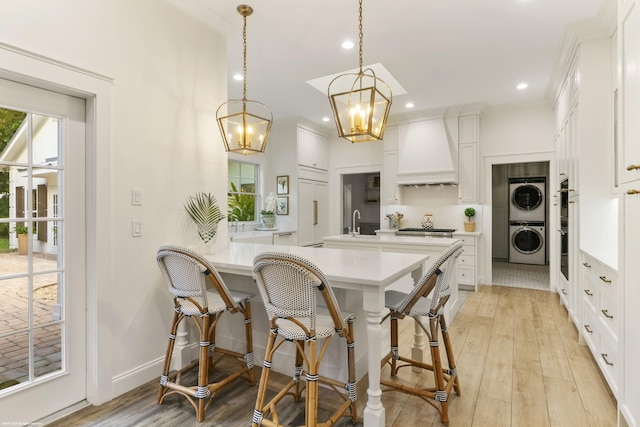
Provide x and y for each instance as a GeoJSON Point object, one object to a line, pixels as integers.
{"type": "Point", "coordinates": [241, 191]}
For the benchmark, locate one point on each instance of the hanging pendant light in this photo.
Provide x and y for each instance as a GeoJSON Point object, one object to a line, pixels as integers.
{"type": "Point", "coordinates": [360, 102]}
{"type": "Point", "coordinates": [244, 124]}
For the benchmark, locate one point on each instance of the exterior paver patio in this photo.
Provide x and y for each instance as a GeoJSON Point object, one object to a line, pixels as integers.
{"type": "Point", "coordinates": [13, 317]}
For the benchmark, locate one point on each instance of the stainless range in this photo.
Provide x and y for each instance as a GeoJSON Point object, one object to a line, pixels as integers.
{"type": "Point", "coordinates": [434, 232]}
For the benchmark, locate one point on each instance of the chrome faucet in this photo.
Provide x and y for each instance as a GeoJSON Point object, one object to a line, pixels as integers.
{"type": "Point", "coordinates": [355, 231]}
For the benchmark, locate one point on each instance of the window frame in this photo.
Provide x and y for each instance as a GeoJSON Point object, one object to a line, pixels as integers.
{"type": "Point", "coordinates": [240, 178]}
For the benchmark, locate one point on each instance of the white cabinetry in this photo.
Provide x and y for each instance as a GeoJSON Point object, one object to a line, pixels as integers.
{"type": "Point", "coordinates": [468, 263]}
{"type": "Point", "coordinates": [286, 238]}
{"type": "Point", "coordinates": [601, 317]}
{"type": "Point", "coordinates": [468, 173]}
{"type": "Point", "coordinates": [629, 193]}
{"type": "Point", "coordinates": [390, 192]}
{"type": "Point", "coordinates": [312, 149]}
{"type": "Point", "coordinates": [312, 212]}
{"type": "Point", "coordinates": [468, 139]}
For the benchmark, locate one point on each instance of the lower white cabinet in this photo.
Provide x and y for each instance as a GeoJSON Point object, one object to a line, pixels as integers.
{"type": "Point", "coordinates": [288, 238]}
{"type": "Point", "coordinates": [467, 263]}
{"type": "Point", "coordinates": [601, 316]}
{"type": "Point", "coordinates": [312, 212]}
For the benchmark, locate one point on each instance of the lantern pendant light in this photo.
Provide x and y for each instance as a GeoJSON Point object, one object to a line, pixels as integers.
{"type": "Point", "coordinates": [360, 102]}
{"type": "Point", "coordinates": [244, 124]}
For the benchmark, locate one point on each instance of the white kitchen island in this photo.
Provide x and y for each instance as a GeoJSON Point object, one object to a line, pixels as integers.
{"type": "Point", "coordinates": [359, 279]}
{"type": "Point", "coordinates": [432, 246]}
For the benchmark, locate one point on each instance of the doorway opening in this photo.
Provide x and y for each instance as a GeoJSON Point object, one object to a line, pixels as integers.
{"type": "Point", "coordinates": [361, 192]}
{"type": "Point", "coordinates": [520, 224]}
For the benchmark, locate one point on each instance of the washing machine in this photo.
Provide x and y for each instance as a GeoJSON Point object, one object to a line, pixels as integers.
{"type": "Point", "coordinates": [527, 198]}
{"type": "Point", "coordinates": [527, 242]}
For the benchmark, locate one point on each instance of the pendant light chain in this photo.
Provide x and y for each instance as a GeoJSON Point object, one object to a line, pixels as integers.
{"type": "Point", "coordinates": [361, 35]}
{"type": "Point", "coordinates": [244, 58]}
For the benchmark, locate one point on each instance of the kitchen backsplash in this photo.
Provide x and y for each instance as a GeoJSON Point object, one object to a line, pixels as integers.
{"type": "Point", "coordinates": [441, 202]}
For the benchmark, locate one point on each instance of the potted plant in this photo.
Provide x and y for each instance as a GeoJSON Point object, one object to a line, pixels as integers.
{"type": "Point", "coordinates": [205, 213]}
{"type": "Point", "coordinates": [23, 239]}
{"type": "Point", "coordinates": [469, 225]}
{"type": "Point", "coordinates": [268, 214]}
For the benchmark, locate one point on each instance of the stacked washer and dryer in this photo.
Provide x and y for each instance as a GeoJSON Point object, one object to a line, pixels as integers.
{"type": "Point", "coordinates": [527, 216]}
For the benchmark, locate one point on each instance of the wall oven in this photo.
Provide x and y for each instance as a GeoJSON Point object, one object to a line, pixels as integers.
{"type": "Point", "coordinates": [564, 228]}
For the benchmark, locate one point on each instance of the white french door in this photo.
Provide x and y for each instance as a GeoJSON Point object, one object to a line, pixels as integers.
{"type": "Point", "coordinates": [42, 253]}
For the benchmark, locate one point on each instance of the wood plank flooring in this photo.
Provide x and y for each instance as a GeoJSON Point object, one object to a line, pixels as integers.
{"type": "Point", "coordinates": [519, 363]}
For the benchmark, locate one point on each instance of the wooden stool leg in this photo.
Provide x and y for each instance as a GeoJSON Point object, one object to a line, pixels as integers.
{"type": "Point", "coordinates": [394, 345]}
{"type": "Point", "coordinates": [351, 360]}
{"type": "Point", "coordinates": [311, 416]}
{"type": "Point", "coordinates": [249, 340]}
{"type": "Point", "coordinates": [297, 370]}
{"type": "Point", "coordinates": [440, 393]}
{"type": "Point", "coordinates": [177, 317]}
{"type": "Point", "coordinates": [264, 379]}
{"type": "Point", "coordinates": [450, 358]}
{"type": "Point", "coordinates": [202, 393]}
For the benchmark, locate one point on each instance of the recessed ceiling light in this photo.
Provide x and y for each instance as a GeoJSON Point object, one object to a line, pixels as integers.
{"type": "Point", "coordinates": [237, 77]}
{"type": "Point", "coordinates": [325, 119]}
{"type": "Point", "coordinates": [409, 105]}
{"type": "Point", "coordinates": [347, 44]}
{"type": "Point", "coordinates": [522, 86]}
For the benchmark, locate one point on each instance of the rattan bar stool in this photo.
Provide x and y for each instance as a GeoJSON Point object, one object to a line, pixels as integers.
{"type": "Point", "coordinates": [187, 274]}
{"type": "Point", "coordinates": [417, 304]}
{"type": "Point", "coordinates": [291, 287]}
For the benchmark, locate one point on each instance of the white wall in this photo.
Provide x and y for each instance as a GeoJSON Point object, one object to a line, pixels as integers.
{"type": "Point", "coordinates": [169, 77]}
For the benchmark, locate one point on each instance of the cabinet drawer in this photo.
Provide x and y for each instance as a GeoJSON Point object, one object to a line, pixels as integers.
{"type": "Point", "coordinates": [608, 360]}
{"type": "Point", "coordinates": [590, 330]}
{"type": "Point", "coordinates": [466, 260]}
{"type": "Point", "coordinates": [591, 295]}
{"type": "Point", "coordinates": [609, 313]}
{"type": "Point", "coordinates": [465, 275]}
{"type": "Point", "coordinates": [467, 240]}
{"type": "Point", "coordinates": [469, 250]}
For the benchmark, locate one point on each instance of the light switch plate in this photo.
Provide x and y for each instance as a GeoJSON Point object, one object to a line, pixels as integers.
{"type": "Point", "coordinates": [136, 197]}
{"type": "Point", "coordinates": [136, 228]}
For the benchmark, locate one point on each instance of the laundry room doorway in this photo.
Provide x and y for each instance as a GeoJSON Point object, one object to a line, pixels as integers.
{"type": "Point", "coordinates": [520, 212]}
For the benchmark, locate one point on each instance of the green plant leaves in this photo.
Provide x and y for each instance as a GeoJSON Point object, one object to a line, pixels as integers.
{"type": "Point", "coordinates": [203, 209]}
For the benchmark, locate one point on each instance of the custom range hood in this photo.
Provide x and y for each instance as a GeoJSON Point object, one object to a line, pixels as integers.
{"type": "Point", "coordinates": [427, 152]}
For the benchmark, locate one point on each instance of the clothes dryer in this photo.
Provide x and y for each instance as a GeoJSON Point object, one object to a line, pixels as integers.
{"type": "Point", "coordinates": [527, 242]}
{"type": "Point", "coordinates": [527, 199]}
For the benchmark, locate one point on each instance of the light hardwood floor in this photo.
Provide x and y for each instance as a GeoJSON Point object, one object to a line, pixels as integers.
{"type": "Point", "coordinates": [519, 363]}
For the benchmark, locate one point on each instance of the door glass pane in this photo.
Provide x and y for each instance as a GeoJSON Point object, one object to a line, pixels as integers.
{"type": "Point", "coordinates": [31, 273]}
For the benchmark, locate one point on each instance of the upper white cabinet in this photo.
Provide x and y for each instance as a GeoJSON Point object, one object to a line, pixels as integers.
{"type": "Point", "coordinates": [390, 192]}
{"type": "Point", "coordinates": [313, 149]}
{"type": "Point", "coordinates": [629, 153]}
{"type": "Point", "coordinates": [629, 197]}
{"type": "Point", "coordinates": [468, 129]}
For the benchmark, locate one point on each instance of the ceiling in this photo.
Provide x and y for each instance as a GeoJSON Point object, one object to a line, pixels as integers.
{"type": "Point", "coordinates": [443, 53]}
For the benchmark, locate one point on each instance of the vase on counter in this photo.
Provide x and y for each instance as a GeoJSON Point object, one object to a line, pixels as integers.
{"type": "Point", "coordinates": [427, 221]}
{"type": "Point", "coordinates": [268, 220]}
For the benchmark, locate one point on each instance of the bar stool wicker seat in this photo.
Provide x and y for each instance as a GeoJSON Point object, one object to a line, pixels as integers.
{"type": "Point", "coordinates": [187, 274]}
{"type": "Point", "coordinates": [417, 304]}
{"type": "Point", "coordinates": [291, 287]}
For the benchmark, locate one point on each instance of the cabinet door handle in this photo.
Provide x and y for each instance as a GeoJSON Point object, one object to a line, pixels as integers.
{"type": "Point", "coordinates": [571, 201]}
{"type": "Point", "coordinates": [586, 264]}
{"type": "Point", "coordinates": [633, 167]}
{"type": "Point", "coordinates": [315, 212]}
{"type": "Point", "coordinates": [564, 292]}
{"type": "Point", "coordinates": [588, 328]}
{"type": "Point", "coordinates": [605, 356]}
{"type": "Point", "coordinates": [604, 279]}
{"type": "Point", "coordinates": [285, 234]}
{"type": "Point", "coordinates": [588, 292]}
{"type": "Point", "coordinates": [633, 192]}
{"type": "Point", "coordinates": [606, 314]}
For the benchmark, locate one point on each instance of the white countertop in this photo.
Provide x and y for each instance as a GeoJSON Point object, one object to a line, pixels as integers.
{"type": "Point", "coordinates": [389, 239]}
{"type": "Point", "coordinates": [255, 232]}
{"type": "Point", "coordinates": [368, 268]}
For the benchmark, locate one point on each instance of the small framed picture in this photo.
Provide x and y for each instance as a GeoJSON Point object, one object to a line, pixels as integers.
{"type": "Point", "coordinates": [282, 184]}
{"type": "Point", "coordinates": [282, 207]}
